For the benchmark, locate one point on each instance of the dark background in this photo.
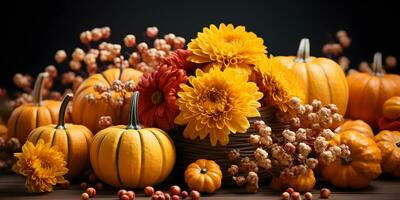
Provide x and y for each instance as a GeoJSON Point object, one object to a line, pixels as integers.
{"type": "Point", "coordinates": [33, 31]}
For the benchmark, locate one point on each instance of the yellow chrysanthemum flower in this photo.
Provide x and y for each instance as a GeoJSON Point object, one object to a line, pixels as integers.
{"type": "Point", "coordinates": [227, 46]}
{"type": "Point", "coordinates": [43, 166]}
{"type": "Point", "coordinates": [278, 83]}
{"type": "Point", "coordinates": [216, 104]}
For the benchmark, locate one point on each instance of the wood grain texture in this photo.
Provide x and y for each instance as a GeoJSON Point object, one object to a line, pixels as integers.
{"type": "Point", "coordinates": [12, 188]}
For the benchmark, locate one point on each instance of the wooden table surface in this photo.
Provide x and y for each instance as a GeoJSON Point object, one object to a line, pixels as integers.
{"type": "Point", "coordinates": [385, 188]}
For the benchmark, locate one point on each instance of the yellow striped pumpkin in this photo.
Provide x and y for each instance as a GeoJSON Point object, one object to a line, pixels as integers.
{"type": "Point", "coordinates": [132, 156]}
{"type": "Point", "coordinates": [72, 140]}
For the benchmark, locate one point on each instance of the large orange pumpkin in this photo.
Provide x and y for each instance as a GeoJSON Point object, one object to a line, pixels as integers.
{"type": "Point", "coordinates": [132, 156]}
{"type": "Point", "coordinates": [30, 116]}
{"type": "Point", "coordinates": [88, 113]}
{"type": "Point", "coordinates": [358, 169]}
{"type": "Point", "coordinates": [389, 143]}
{"type": "Point", "coordinates": [72, 140]}
{"type": "Point", "coordinates": [391, 108]}
{"type": "Point", "coordinates": [357, 125]}
{"type": "Point", "coordinates": [368, 92]}
{"type": "Point", "coordinates": [302, 183]}
{"type": "Point", "coordinates": [322, 78]}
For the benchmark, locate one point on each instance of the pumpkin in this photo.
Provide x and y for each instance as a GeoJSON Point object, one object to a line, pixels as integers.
{"type": "Point", "coordinates": [203, 176]}
{"type": "Point", "coordinates": [358, 169]}
{"type": "Point", "coordinates": [389, 144]}
{"type": "Point", "coordinates": [391, 108]}
{"type": "Point", "coordinates": [322, 78]}
{"type": "Point", "coordinates": [3, 131]}
{"type": "Point", "coordinates": [357, 125]}
{"type": "Point", "coordinates": [301, 183]}
{"type": "Point", "coordinates": [88, 113]}
{"type": "Point", "coordinates": [30, 116]}
{"type": "Point", "coordinates": [368, 92]}
{"type": "Point", "coordinates": [132, 156]}
{"type": "Point", "coordinates": [72, 140]}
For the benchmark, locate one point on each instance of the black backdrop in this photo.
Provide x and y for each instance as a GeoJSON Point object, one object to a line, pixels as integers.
{"type": "Point", "coordinates": [32, 31]}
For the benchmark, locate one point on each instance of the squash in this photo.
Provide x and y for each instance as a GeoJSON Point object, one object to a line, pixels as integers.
{"type": "Point", "coordinates": [3, 131]}
{"type": "Point", "coordinates": [203, 176]}
{"type": "Point", "coordinates": [72, 140]}
{"type": "Point", "coordinates": [368, 92]}
{"type": "Point", "coordinates": [357, 125]}
{"type": "Point", "coordinates": [88, 113]}
{"type": "Point", "coordinates": [391, 108]}
{"type": "Point", "coordinates": [27, 117]}
{"type": "Point", "coordinates": [389, 144]}
{"type": "Point", "coordinates": [358, 169]}
{"type": "Point", "coordinates": [322, 78]}
{"type": "Point", "coordinates": [132, 156]}
{"type": "Point", "coordinates": [301, 183]}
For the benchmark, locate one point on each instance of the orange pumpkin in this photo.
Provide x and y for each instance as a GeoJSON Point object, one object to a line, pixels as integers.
{"type": "Point", "coordinates": [357, 125]}
{"type": "Point", "coordinates": [389, 144]}
{"type": "Point", "coordinates": [391, 108]}
{"type": "Point", "coordinates": [88, 113]}
{"type": "Point", "coordinates": [3, 131]}
{"type": "Point", "coordinates": [322, 78]}
{"type": "Point", "coordinates": [368, 92]}
{"type": "Point", "coordinates": [358, 169]}
{"type": "Point", "coordinates": [302, 183]}
{"type": "Point", "coordinates": [30, 116]}
{"type": "Point", "coordinates": [72, 140]}
{"type": "Point", "coordinates": [203, 176]}
{"type": "Point", "coordinates": [132, 156]}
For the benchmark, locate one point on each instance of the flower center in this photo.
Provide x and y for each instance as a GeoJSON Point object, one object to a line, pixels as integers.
{"type": "Point", "coordinates": [398, 144]}
{"type": "Point", "coordinates": [203, 170]}
{"type": "Point", "coordinates": [346, 160]}
{"type": "Point", "coordinates": [44, 164]}
{"type": "Point", "coordinates": [157, 97]}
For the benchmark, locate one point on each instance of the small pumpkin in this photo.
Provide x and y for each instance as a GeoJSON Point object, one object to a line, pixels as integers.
{"type": "Point", "coordinates": [368, 92]}
{"type": "Point", "coordinates": [89, 113]}
{"type": "Point", "coordinates": [391, 108]}
{"type": "Point", "coordinates": [358, 169]}
{"type": "Point", "coordinates": [203, 176]}
{"type": "Point", "coordinates": [322, 78]}
{"type": "Point", "coordinates": [132, 156]}
{"type": "Point", "coordinates": [30, 116]}
{"type": "Point", "coordinates": [3, 131]}
{"type": "Point", "coordinates": [72, 140]}
{"type": "Point", "coordinates": [357, 125]}
{"type": "Point", "coordinates": [301, 183]}
{"type": "Point", "coordinates": [389, 144]}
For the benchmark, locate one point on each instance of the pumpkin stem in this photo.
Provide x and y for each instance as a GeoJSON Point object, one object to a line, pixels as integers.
{"type": "Point", "coordinates": [63, 108]}
{"type": "Point", "coordinates": [377, 64]}
{"type": "Point", "coordinates": [133, 121]}
{"type": "Point", "coordinates": [303, 54]}
{"type": "Point", "coordinates": [37, 89]}
{"type": "Point", "coordinates": [121, 67]}
{"type": "Point", "coordinates": [347, 160]}
{"type": "Point", "coordinates": [203, 170]}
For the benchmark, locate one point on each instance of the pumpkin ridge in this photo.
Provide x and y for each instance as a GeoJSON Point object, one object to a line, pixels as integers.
{"type": "Point", "coordinates": [98, 151]}
{"type": "Point", "coordinates": [327, 81]}
{"type": "Point", "coordinates": [105, 78]}
{"type": "Point", "coordinates": [14, 134]}
{"type": "Point", "coordinates": [142, 156]}
{"type": "Point", "coordinates": [68, 149]}
{"type": "Point", "coordinates": [40, 135]}
{"type": "Point", "coordinates": [306, 65]}
{"type": "Point", "coordinates": [163, 155]}
{"type": "Point", "coordinates": [51, 116]}
{"type": "Point", "coordinates": [54, 137]}
{"type": "Point", "coordinates": [37, 118]}
{"type": "Point", "coordinates": [117, 158]}
{"type": "Point", "coordinates": [363, 90]}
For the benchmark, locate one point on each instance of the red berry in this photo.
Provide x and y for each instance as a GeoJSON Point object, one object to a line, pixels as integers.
{"type": "Point", "coordinates": [65, 184]}
{"type": "Point", "coordinates": [175, 190]}
{"type": "Point", "coordinates": [148, 191]}
{"type": "Point", "coordinates": [85, 196]}
{"type": "Point", "coordinates": [124, 197]}
{"type": "Point", "coordinates": [131, 195]}
{"type": "Point", "coordinates": [175, 197]}
{"type": "Point", "coordinates": [167, 196]}
{"type": "Point", "coordinates": [83, 186]}
{"type": "Point", "coordinates": [91, 191]}
{"type": "Point", "coordinates": [184, 194]}
{"type": "Point", "coordinates": [121, 192]}
{"type": "Point", "coordinates": [290, 190]}
{"type": "Point", "coordinates": [158, 197]}
{"type": "Point", "coordinates": [159, 192]}
{"type": "Point", "coordinates": [195, 195]}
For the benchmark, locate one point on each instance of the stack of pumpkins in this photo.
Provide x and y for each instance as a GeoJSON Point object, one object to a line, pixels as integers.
{"type": "Point", "coordinates": [133, 156]}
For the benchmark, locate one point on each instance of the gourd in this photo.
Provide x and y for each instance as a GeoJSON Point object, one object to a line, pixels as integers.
{"type": "Point", "coordinates": [357, 125]}
{"type": "Point", "coordinates": [301, 183]}
{"type": "Point", "coordinates": [391, 108]}
{"type": "Point", "coordinates": [130, 155]}
{"type": "Point", "coordinates": [389, 144]}
{"type": "Point", "coordinates": [203, 175]}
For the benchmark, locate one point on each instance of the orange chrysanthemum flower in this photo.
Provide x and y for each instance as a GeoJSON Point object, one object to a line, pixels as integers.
{"type": "Point", "coordinates": [43, 166]}
{"type": "Point", "coordinates": [216, 104]}
{"type": "Point", "coordinates": [227, 46]}
{"type": "Point", "coordinates": [278, 83]}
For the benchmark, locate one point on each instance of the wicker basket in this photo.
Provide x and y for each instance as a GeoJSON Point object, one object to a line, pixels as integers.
{"type": "Point", "coordinates": [190, 150]}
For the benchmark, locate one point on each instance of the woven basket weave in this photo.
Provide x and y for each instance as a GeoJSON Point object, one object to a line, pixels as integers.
{"type": "Point", "coordinates": [189, 151]}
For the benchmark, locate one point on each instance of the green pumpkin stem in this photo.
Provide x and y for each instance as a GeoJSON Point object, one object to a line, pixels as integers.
{"type": "Point", "coordinates": [37, 89]}
{"type": "Point", "coordinates": [63, 108]}
{"type": "Point", "coordinates": [133, 121]}
{"type": "Point", "coordinates": [303, 54]}
{"type": "Point", "coordinates": [377, 64]}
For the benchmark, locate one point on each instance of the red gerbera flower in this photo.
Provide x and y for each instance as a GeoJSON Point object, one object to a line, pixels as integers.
{"type": "Point", "coordinates": [178, 59]}
{"type": "Point", "coordinates": [158, 93]}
